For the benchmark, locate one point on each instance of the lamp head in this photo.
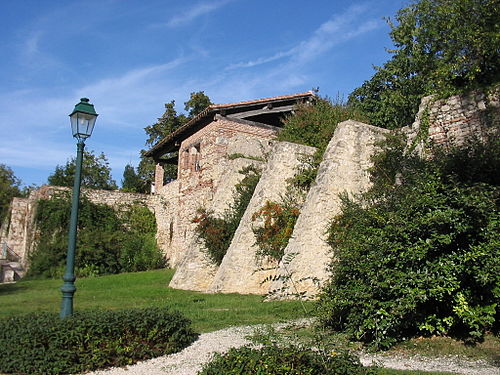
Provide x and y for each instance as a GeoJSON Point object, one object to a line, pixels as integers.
{"type": "Point", "coordinates": [83, 119]}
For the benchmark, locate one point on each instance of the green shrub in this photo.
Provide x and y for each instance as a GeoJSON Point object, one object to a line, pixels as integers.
{"type": "Point", "coordinates": [314, 125]}
{"type": "Point", "coordinates": [420, 253]}
{"type": "Point", "coordinates": [108, 241]}
{"type": "Point", "coordinates": [42, 343]}
{"type": "Point", "coordinates": [288, 360]}
{"type": "Point", "coordinates": [216, 233]}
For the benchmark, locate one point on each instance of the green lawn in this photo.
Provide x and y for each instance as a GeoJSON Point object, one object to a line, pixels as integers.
{"type": "Point", "coordinates": [208, 312]}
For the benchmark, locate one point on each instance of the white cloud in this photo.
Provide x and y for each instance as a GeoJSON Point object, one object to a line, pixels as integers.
{"type": "Point", "coordinates": [31, 44]}
{"type": "Point", "coordinates": [198, 10]}
{"type": "Point", "coordinates": [338, 29]}
{"type": "Point", "coordinates": [261, 60]}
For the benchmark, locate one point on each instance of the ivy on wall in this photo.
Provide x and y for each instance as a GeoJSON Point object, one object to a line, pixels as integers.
{"type": "Point", "coordinates": [108, 241]}
{"type": "Point", "coordinates": [216, 233]}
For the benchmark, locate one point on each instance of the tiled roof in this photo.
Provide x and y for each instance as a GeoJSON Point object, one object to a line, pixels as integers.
{"type": "Point", "coordinates": [264, 100]}
{"type": "Point", "coordinates": [216, 108]}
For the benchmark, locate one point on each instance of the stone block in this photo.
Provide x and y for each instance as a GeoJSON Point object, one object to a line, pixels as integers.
{"type": "Point", "coordinates": [241, 271]}
{"type": "Point", "coordinates": [343, 170]}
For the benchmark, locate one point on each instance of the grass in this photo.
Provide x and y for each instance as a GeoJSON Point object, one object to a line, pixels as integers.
{"type": "Point", "coordinates": [208, 312]}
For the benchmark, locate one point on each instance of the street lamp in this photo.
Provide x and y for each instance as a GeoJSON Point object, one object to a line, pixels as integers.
{"type": "Point", "coordinates": [82, 123]}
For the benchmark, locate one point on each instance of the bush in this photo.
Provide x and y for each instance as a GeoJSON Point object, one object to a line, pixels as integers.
{"type": "Point", "coordinates": [216, 233]}
{"type": "Point", "coordinates": [288, 360]}
{"type": "Point", "coordinates": [419, 254]}
{"type": "Point", "coordinates": [108, 241]}
{"type": "Point", "coordinates": [314, 125]}
{"type": "Point", "coordinates": [42, 343]}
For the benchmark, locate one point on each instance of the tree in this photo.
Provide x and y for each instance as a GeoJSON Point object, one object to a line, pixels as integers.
{"type": "Point", "coordinates": [197, 104]}
{"type": "Point", "coordinates": [131, 181]}
{"type": "Point", "coordinates": [167, 124]}
{"type": "Point", "coordinates": [96, 173]}
{"type": "Point", "coordinates": [9, 188]}
{"type": "Point", "coordinates": [442, 47]}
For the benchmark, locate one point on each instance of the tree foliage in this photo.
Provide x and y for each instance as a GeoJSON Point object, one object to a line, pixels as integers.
{"type": "Point", "coordinates": [9, 188]}
{"type": "Point", "coordinates": [278, 220]}
{"type": "Point", "coordinates": [96, 173]}
{"type": "Point", "coordinates": [441, 46]}
{"type": "Point", "coordinates": [169, 122]}
{"type": "Point", "coordinates": [166, 124]}
{"type": "Point", "coordinates": [314, 125]}
{"type": "Point", "coordinates": [131, 181]}
{"type": "Point", "coordinates": [419, 254]}
{"type": "Point", "coordinates": [108, 241]}
{"type": "Point", "coordinates": [196, 104]}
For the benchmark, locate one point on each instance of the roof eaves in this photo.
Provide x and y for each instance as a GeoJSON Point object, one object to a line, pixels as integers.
{"type": "Point", "coordinates": [178, 131]}
{"type": "Point", "coordinates": [215, 108]}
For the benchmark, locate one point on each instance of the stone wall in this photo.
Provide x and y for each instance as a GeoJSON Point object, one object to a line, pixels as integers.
{"type": "Point", "coordinates": [164, 205]}
{"type": "Point", "coordinates": [240, 270]}
{"type": "Point", "coordinates": [195, 271]}
{"type": "Point", "coordinates": [209, 162]}
{"type": "Point", "coordinates": [343, 170]}
{"type": "Point", "coordinates": [206, 178]}
{"type": "Point", "coordinates": [452, 121]}
{"type": "Point", "coordinates": [19, 231]}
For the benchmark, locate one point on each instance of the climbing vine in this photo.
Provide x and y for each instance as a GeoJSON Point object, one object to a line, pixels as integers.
{"type": "Point", "coordinates": [278, 220]}
{"type": "Point", "coordinates": [215, 233]}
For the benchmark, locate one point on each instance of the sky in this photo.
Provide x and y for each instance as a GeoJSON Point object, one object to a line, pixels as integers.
{"type": "Point", "coordinates": [130, 57]}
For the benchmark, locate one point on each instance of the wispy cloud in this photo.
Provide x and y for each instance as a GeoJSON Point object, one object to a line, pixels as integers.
{"type": "Point", "coordinates": [31, 44]}
{"type": "Point", "coordinates": [338, 29]}
{"type": "Point", "coordinates": [261, 60]}
{"type": "Point", "coordinates": [196, 11]}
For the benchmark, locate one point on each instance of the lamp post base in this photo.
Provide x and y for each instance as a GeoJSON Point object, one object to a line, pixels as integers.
{"type": "Point", "coordinates": [68, 289]}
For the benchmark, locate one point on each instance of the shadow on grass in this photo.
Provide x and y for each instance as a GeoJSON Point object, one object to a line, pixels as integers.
{"type": "Point", "coordinates": [11, 288]}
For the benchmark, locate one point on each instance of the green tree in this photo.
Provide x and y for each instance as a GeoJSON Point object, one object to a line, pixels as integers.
{"type": "Point", "coordinates": [9, 188]}
{"type": "Point", "coordinates": [108, 241]}
{"type": "Point", "coordinates": [167, 124]}
{"type": "Point", "coordinates": [419, 254]}
{"type": "Point", "coordinates": [197, 104]}
{"type": "Point", "coordinates": [96, 173]}
{"type": "Point", "coordinates": [314, 125]}
{"type": "Point", "coordinates": [443, 47]}
{"type": "Point", "coordinates": [131, 181]}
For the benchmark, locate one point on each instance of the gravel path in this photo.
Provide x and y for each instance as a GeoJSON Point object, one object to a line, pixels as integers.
{"type": "Point", "coordinates": [190, 360]}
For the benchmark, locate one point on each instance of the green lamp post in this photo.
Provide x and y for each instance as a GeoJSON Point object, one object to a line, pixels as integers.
{"type": "Point", "coordinates": [82, 123]}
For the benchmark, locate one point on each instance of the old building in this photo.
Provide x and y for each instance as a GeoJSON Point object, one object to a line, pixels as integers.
{"type": "Point", "coordinates": [209, 151]}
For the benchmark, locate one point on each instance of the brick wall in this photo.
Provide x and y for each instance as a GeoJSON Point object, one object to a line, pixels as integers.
{"type": "Point", "coordinates": [203, 162]}
{"type": "Point", "coordinates": [453, 120]}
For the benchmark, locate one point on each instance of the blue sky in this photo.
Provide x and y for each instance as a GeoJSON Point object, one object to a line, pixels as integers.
{"type": "Point", "coordinates": [132, 56]}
